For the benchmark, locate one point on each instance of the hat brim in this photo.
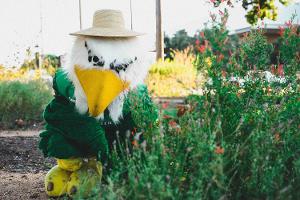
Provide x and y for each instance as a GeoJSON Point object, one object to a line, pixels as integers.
{"type": "Point", "coordinates": [106, 32]}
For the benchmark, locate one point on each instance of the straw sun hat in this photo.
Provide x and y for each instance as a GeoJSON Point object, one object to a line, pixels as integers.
{"type": "Point", "coordinates": [107, 23]}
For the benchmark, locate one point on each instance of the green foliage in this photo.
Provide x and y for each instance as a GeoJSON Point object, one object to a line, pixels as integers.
{"type": "Point", "coordinates": [259, 9]}
{"type": "Point", "coordinates": [180, 41]}
{"type": "Point", "coordinates": [21, 100]}
{"type": "Point", "coordinates": [230, 56]}
{"type": "Point", "coordinates": [215, 45]}
{"type": "Point", "coordinates": [255, 51]}
{"type": "Point", "coordinates": [239, 140]}
{"type": "Point", "coordinates": [141, 107]}
{"type": "Point", "coordinates": [289, 48]}
{"type": "Point", "coordinates": [229, 144]}
{"type": "Point", "coordinates": [254, 125]}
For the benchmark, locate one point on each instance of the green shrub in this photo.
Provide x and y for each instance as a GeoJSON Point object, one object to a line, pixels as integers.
{"type": "Point", "coordinates": [236, 141]}
{"type": "Point", "coordinates": [256, 51]}
{"type": "Point", "coordinates": [22, 100]}
{"type": "Point", "coordinates": [256, 126]}
{"type": "Point", "coordinates": [289, 49]}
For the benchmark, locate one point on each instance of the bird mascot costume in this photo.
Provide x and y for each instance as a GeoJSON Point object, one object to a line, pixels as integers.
{"type": "Point", "coordinates": [99, 97]}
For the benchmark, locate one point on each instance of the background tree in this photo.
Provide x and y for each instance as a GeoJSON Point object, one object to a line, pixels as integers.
{"type": "Point", "coordinates": [257, 9]}
{"type": "Point", "coordinates": [180, 41]}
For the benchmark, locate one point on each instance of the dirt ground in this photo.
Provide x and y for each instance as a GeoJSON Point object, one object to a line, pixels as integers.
{"type": "Point", "coordinates": [22, 166]}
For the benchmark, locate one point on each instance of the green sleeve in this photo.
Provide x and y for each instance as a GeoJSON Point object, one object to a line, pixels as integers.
{"type": "Point", "coordinates": [62, 85]}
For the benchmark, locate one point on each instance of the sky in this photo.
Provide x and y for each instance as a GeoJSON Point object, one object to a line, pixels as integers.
{"type": "Point", "coordinates": [44, 25]}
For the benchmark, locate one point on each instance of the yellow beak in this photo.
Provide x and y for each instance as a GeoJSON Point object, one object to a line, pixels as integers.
{"type": "Point", "coordinates": [101, 87]}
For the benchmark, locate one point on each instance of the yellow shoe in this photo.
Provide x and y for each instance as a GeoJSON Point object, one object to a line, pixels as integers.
{"type": "Point", "coordinates": [71, 165]}
{"type": "Point", "coordinates": [56, 181]}
{"type": "Point", "coordinates": [96, 165]}
{"type": "Point", "coordinates": [83, 183]}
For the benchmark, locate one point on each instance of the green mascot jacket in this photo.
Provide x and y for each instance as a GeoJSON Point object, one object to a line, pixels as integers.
{"type": "Point", "coordinates": [69, 134]}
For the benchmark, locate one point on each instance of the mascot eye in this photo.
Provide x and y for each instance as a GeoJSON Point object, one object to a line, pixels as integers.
{"type": "Point", "coordinates": [95, 59]}
{"type": "Point", "coordinates": [111, 65]}
{"type": "Point", "coordinates": [101, 63]}
{"type": "Point", "coordinates": [120, 67]}
{"type": "Point", "coordinates": [98, 62]}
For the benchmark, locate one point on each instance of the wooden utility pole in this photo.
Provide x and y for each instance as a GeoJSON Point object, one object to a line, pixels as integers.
{"type": "Point", "coordinates": [130, 15]}
{"type": "Point", "coordinates": [159, 33]}
{"type": "Point", "coordinates": [40, 53]}
{"type": "Point", "coordinates": [80, 22]}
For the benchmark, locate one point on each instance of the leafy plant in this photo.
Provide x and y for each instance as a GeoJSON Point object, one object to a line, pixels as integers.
{"type": "Point", "coordinates": [289, 48]}
{"type": "Point", "coordinates": [255, 51]}
{"type": "Point", "coordinates": [22, 101]}
{"type": "Point", "coordinates": [179, 41]}
{"type": "Point", "coordinates": [239, 140]}
{"type": "Point", "coordinates": [259, 9]}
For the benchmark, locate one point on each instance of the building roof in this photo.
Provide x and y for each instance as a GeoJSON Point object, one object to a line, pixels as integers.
{"type": "Point", "coordinates": [269, 28]}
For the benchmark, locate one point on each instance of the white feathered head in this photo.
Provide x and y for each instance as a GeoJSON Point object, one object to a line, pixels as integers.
{"type": "Point", "coordinates": [103, 70]}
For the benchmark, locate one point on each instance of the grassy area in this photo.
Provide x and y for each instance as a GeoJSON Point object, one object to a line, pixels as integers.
{"type": "Point", "coordinates": [22, 102]}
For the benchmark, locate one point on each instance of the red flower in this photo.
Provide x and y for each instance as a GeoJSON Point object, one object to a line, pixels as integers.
{"type": "Point", "coordinates": [269, 90]}
{"type": "Point", "coordinates": [172, 123]}
{"type": "Point", "coordinates": [133, 132]}
{"type": "Point", "coordinates": [280, 70]}
{"type": "Point", "coordinates": [167, 117]}
{"type": "Point", "coordinates": [224, 73]}
{"type": "Point", "coordinates": [288, 23]}
{"type": "Point", "coordinates": [272, 69]}
{"type": "Point", "coordinates": [202, 48]}
{"type": "Point", "coordinates": [202, 34]}
{"type": "Point", "coordinates": [135, 143]}
{"type": "Point", "coordinates": [197, 42]}
{"type": "Point", "coordinates": [219, 150]}
{"type": "Point", "coordinates": [254, 67]}
{"type": "Point", "coordinates": [281, 31]}
{"type": "Point", "coordinates": [165, 105]}
{"type": "Point", "coordinates": [206, 43]}
{"type": "Point", "coordinates": [277, 137]}
{"type": "Point", "coordinates": [220, 57]}
{"type": "Point", "coordinates": [181, 110]}
{"type": "Point", "coordinates": [221, 13]}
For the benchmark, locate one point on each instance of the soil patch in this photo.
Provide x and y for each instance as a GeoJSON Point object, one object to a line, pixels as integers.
{"type": "Point", "coordinates": [22, 166]}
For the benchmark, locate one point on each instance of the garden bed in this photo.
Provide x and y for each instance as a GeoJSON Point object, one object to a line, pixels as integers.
{"type": "Point", "coordinates": [22, 167]}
